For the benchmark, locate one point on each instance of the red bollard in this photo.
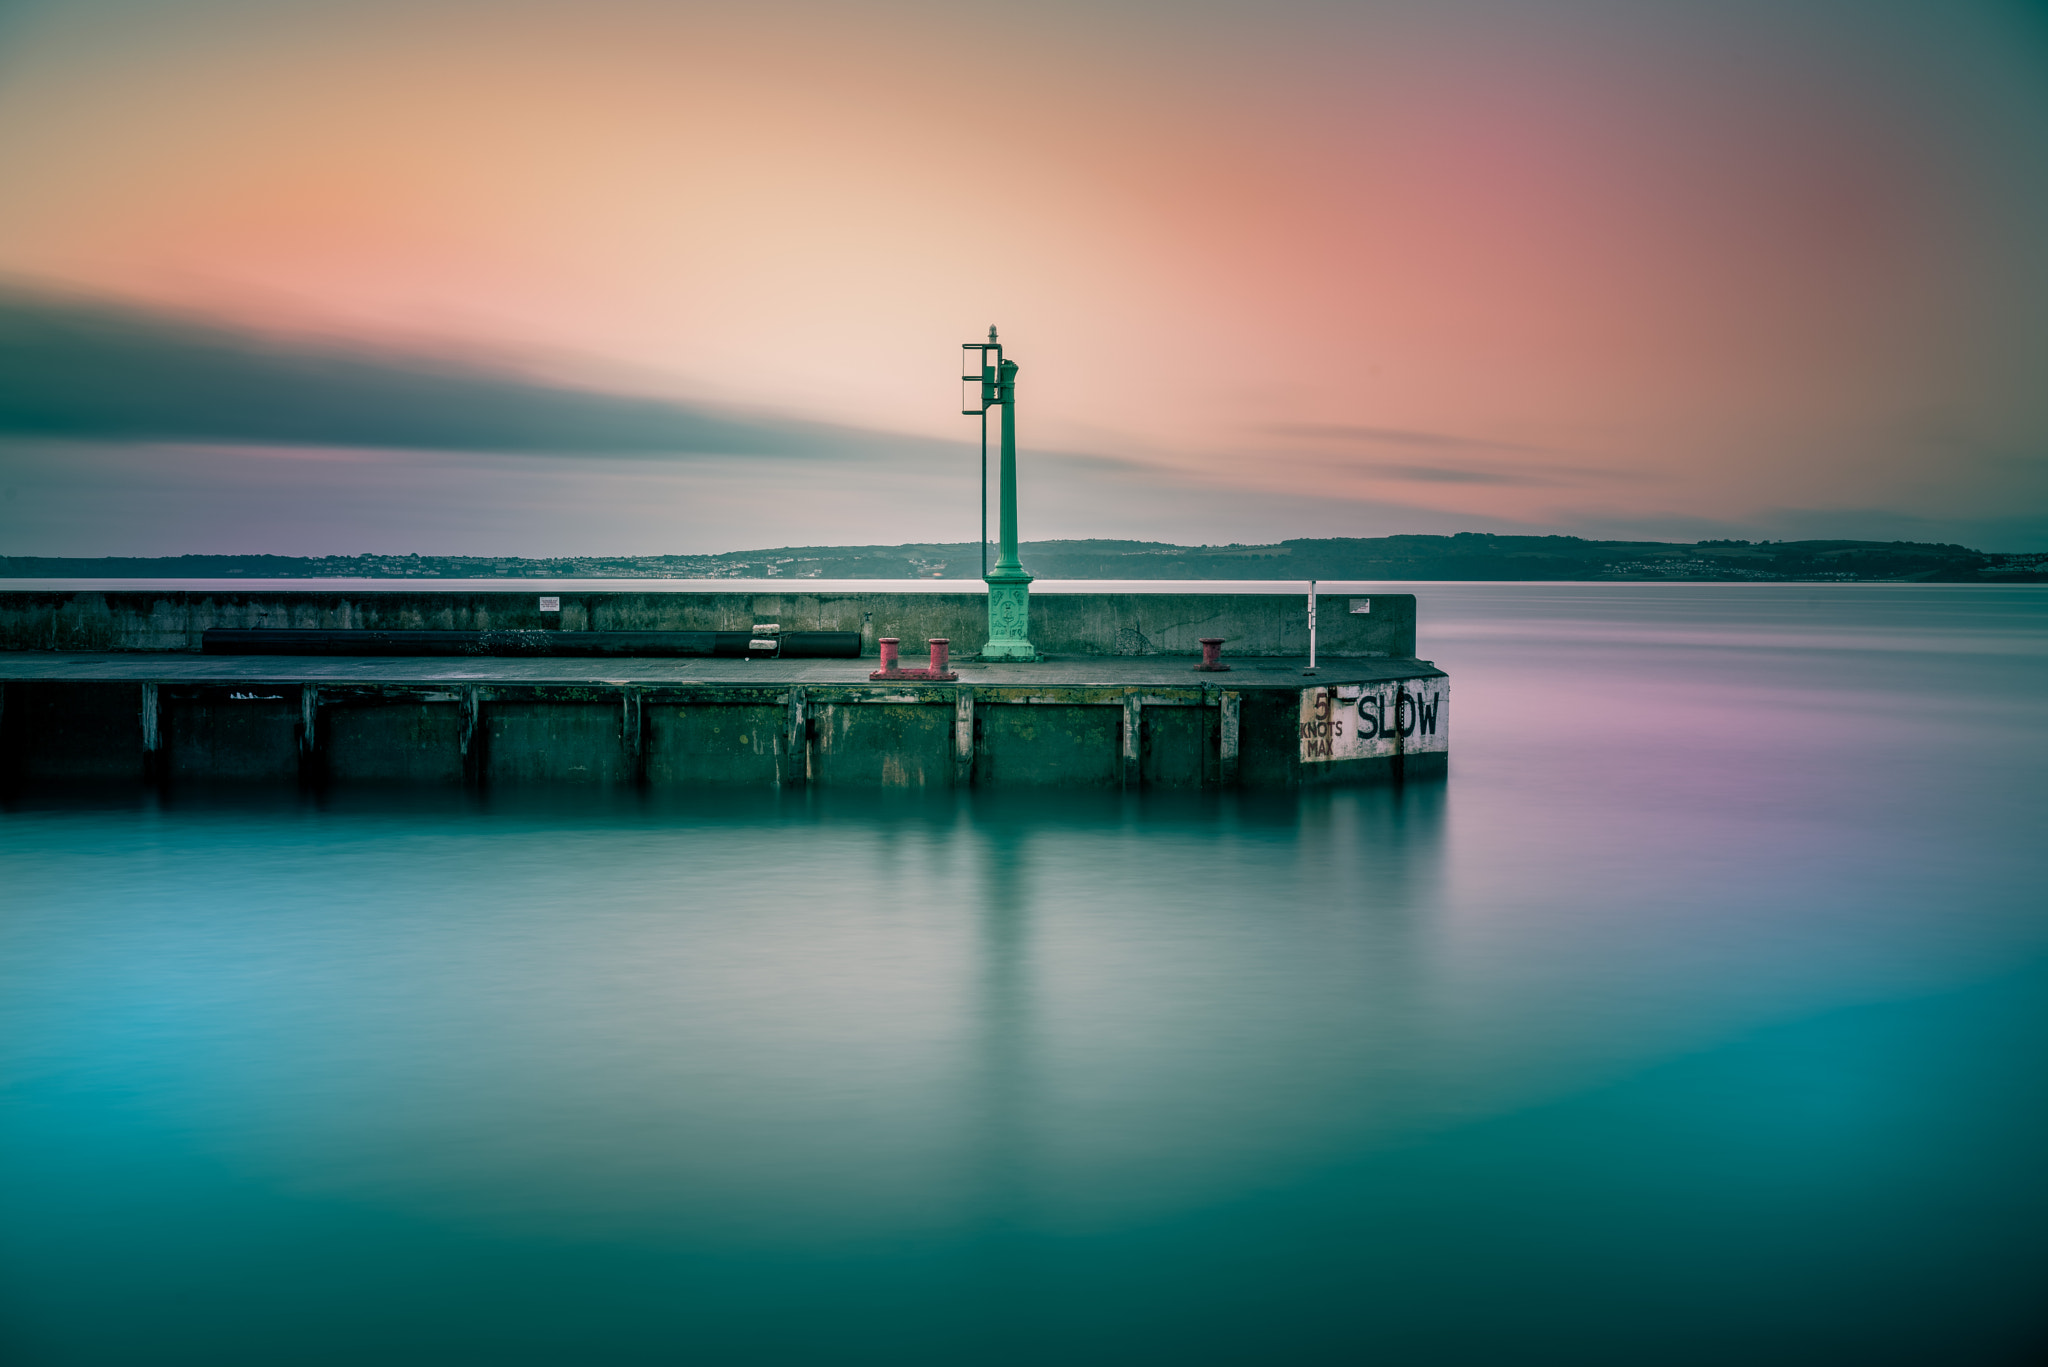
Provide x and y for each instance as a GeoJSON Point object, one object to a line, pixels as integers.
{"type": "Point", "coordinates": [892, 670]}
{"type": "Point", "coordinates": [1212, 655]}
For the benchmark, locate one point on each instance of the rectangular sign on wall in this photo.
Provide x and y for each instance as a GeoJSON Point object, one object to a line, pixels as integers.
{"type": "Point", "coordinates": [1369, 721]}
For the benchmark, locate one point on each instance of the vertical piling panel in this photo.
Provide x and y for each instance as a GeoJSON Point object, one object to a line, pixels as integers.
{"type": "Point", "coordinates": [152, 736]}
{"type": "Point", "coordinates": [1226, 741]}
{"type": "Point", "coordinates": [472, 737]}
{"type": "Point", "coordinates": [963, 739]}
{"type": "Point", "coordinates": [312, 741]}
{"type": "Point", "coordinates": [633, 732]}
{"type": "Point", "coordinates": [797, 749]}
{"type": "Point", "coordinates": [1133, 774]}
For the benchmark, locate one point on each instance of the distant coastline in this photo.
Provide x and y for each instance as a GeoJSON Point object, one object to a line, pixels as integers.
{"type": "Point", "coordinates": [1467, 555]}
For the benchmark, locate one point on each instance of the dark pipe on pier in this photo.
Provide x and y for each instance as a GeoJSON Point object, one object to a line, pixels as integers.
{"type": "Point", "coordinates": [799, 645]}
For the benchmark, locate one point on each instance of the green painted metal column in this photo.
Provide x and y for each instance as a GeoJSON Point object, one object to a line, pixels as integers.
{"type": "Point", "coordinates": [1009, 586]}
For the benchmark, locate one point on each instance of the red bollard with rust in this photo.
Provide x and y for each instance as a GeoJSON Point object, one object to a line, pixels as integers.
{"type": "Point", "coordinates": [1212, 653]}
{"type": "Point", "coordinates": [893, 669]}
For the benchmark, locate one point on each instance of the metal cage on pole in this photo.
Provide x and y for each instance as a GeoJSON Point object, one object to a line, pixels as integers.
{"type": "Point", "coordinates": [977, 396]}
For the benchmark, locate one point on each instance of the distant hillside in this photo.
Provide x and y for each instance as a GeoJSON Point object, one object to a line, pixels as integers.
{"type": "Point", "coordinates": [1468, 555]}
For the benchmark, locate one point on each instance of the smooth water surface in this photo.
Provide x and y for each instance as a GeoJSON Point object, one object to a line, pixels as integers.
{"type": "Point", "coordinates": [1699, 1017]}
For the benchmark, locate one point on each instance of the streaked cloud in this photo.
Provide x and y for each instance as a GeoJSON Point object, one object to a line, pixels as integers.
{"type": "Point", "coordinates": [97, 371]}
{"type": "Point", "coordinates": [1395, 436]}
{"type": "Point", "coordinates": [1447, 474]}
{"type": "Point", "coordinates": [1461, 459]}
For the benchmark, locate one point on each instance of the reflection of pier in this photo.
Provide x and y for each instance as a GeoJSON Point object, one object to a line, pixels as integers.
{"type": "Point", "coordinates": [1001, 1090]}
{"type": "Point", "coordinates": [1127, 1053]}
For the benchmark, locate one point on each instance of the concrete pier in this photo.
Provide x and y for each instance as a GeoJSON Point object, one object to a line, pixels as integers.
{"type": "Point", "coordinates": [109, 682]}
{"type": "Point", "coordinates": [1087, 721]}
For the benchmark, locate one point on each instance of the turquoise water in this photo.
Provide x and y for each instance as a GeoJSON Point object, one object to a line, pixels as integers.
{"type": "Point", "coordinates": [1699, 1017]}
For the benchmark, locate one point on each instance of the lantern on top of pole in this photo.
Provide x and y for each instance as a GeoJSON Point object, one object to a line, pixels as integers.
{"type": "Point", "coordinates": [989, 381]}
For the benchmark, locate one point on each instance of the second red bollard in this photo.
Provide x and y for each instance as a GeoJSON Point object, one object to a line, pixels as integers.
{"type": "Point", "coordinates": [1212, 655]}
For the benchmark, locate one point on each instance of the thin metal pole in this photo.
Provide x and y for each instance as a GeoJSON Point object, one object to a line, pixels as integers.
{"type": "Point", "coordinates": [1311, 628]}
{"type": "Point", "coordinates": [1006, 497]}
{"type": "Point", "coordinates": [984, 492]}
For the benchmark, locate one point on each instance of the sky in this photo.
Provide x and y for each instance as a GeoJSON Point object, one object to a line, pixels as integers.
{"type": "Point", "coordinates": [619, 276]}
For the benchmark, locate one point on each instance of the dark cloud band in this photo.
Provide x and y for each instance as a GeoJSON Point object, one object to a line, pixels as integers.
{"type": "Point", "coordinates": [86, 370]}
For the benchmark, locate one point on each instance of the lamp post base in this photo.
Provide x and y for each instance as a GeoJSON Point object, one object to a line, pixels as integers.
{"type": "Point", "coordinates": [1009, 618]}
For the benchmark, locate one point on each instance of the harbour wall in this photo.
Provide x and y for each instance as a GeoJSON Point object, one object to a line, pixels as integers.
{"type": "Point", "coordinates": [1349, 626]}
{"type": "Point", "coordinates": [1175, 733]}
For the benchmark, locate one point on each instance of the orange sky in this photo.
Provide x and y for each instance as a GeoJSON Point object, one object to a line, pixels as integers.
{"type": "Point", "coordinates": [1557, 266]}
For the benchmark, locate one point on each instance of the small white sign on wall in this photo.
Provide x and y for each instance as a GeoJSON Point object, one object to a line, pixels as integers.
{"type": "Point", "coordinates": [1361, 605]}
{"type": "Point", "coordinates": [550, 605]}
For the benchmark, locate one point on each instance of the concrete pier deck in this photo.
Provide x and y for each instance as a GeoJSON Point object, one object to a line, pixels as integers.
{"type": "Point", "coordinates": [1090, 720]}
{"type": "Point", "coordinates": [1080, 671]}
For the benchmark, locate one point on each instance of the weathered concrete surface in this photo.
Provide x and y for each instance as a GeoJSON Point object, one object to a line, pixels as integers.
{"type": "Point", "coordinates": [1050, 745]}
{"type": "Point", "coordinates": [881, 745]}
{"type": "Point", "coordinates": [1105, 722]}
{"type": "Point", "coordinates": [393, 740]}
{"type": "Point", "coordinates": [733, 745]}
{"type": "Point", "coordinates": [234, 734]}
{"type": "Point", "coordinates": [1117, 624]}
{"type": "Point", "coordinates": [1179, 747]}
{"type": "Point", "coordinates": [555, 741]}
{"type": "Point", "coordinates": [72, 730]}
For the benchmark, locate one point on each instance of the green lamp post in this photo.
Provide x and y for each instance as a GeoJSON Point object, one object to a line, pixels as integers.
{"type": "Point", "coordinates": [988, 381]}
